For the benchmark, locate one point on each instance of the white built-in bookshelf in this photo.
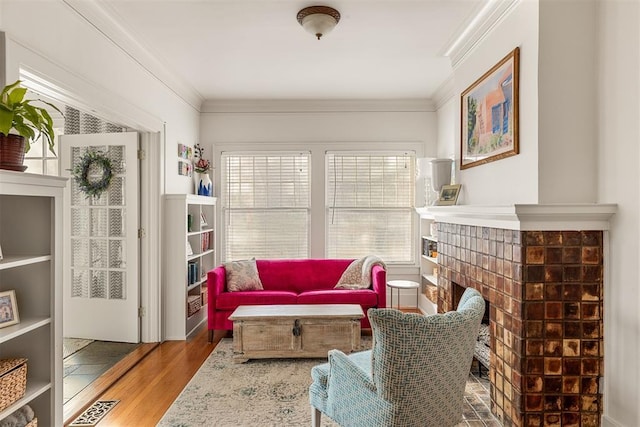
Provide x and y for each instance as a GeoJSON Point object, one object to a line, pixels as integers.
{"type": "Point", "coordinates": [189, 254]}
{"type": "Point", "coordinates": [31, 243]}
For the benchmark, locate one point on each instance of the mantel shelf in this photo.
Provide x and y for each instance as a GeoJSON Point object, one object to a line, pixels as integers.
{"type": "Point", "coordinates": [525, 217]}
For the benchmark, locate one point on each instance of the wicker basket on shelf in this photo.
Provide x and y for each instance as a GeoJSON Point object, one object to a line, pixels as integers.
{"type": "Point", "coordinates": [32, 423]}
{"type": "Point", "coordinates": [13, 380]}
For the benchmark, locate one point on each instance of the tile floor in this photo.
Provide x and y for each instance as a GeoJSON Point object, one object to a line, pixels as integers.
{"type": "Point", "coordinates": [86, 365]}
{"type": "Point", "coordinates": [477, 407]}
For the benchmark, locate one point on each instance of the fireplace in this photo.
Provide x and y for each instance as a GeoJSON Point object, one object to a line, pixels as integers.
{"type": "Point", "coordinates": [545, 290]}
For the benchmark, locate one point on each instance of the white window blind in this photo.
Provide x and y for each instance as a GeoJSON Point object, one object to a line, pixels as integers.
{"type": "Point", "coordinates": [370, 205]}
{"type": "Point", "coordinates": [266, 205]}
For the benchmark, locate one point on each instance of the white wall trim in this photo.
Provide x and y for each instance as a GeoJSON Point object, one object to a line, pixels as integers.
{"type": "Point", "coordinates": [470, 35]}
{"type": "Point", "coordinates": [526, 217]}
{"type": "Point", "coordinates": [609, 422]}
{"type": "Point", "coordinates": [314, 106]}
{"type": "Point", "coordinates": [94, 100]}
{"type": "Point", "coordinates": [444, 93]}
{"type": "Point", "coordinates": [104, 19]}
{"type": "Point", "coordinates": [151, 179]}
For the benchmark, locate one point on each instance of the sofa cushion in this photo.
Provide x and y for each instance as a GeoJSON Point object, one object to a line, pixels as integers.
{"type": "Point", "coordinates": [364, 297]}
{"type": "Point", "coordinates": [231, 300]}
{"type": "Point", "coordinates": [242, 276]}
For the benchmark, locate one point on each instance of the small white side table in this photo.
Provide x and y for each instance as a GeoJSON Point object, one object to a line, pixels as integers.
{"type": "Point", "coordinates": [403, 284]}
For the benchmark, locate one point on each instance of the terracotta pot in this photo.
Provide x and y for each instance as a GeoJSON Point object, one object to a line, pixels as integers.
{"type": "Point", "coordinates": [12, 152]}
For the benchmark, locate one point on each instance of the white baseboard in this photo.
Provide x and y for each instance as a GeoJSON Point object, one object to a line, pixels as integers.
{"type": "Point", "coordinates": [609, 422]}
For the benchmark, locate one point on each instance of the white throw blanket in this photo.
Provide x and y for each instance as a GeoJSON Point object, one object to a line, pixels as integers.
{"type": "Point", "coordinates": [358, 273]}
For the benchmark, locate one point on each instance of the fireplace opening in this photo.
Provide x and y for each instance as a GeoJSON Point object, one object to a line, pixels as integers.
{"type": "Point", "coordinates": [482, 350]}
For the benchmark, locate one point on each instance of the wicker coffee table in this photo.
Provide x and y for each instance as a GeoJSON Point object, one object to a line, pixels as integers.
{"type": "Point", "coordinates": [297, 330]}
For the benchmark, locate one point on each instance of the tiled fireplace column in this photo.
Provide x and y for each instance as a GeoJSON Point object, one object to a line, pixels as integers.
{"type": "Point", "coordinates": [541, 269]}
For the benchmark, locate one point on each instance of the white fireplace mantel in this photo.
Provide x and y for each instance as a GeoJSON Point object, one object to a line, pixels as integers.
{"type": "Point", "coordinates": [525, 217]}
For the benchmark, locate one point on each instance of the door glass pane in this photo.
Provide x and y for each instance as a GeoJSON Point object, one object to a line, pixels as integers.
{"type": "Point", "coordinates": [116, 191]}
{"type": "Point", "coordinates": [116, 154]}
{"type": "Point", "coordinates": [80, 222]}
{"type": "Point", "coordinates": [116, 254]}
{"type": "Point", "coordinates": [116, 285]}
{"type": "Point", "coordinates": [98, 222]}
{"type": "Point", "coordinates": [98, 284]}
{"type": "Point", "coordinates": [79, 253]}
{"type": "Point", "coordinates": [80, 285]}
{"type": "Point", "coordinates": [99, 253]}
{"type": "Point", "coordinates": [116, 222]}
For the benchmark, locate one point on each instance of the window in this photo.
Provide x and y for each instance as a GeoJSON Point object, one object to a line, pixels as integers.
{"type": "Point", "coordinates": [39, 159]}
{"type": "Point", "coordinates": [370, 205]}
{"type": "Point", "coordinates": [266, 205]}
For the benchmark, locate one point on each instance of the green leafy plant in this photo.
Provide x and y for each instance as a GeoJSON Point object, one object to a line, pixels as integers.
{"type": "Point", "coordinates": [29, 121]}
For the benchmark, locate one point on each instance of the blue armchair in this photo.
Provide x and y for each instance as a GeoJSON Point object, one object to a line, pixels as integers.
{"type": "Point", "coordinates": [415, 375]}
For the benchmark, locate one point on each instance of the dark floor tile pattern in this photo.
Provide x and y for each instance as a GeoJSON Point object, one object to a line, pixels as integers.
{"type": "Point", "coordinates": [477, 404]}
{"type": "Point", "coordinates": [86, 365]}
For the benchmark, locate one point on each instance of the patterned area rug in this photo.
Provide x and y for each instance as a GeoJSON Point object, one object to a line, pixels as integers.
{"type": "Point", "coordinates": [268, 392]}
{"type": "Point", "coordinates": [274, 392]}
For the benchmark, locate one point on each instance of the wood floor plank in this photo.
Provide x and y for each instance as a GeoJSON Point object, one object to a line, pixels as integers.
{"type": "Point", "coordinates": [146, 391]}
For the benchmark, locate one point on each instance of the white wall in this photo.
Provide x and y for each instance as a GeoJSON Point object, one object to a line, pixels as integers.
{"type": "Point", "coordinates": [59, 45]}
{"type": "Point", "coordinates": [321, 126]}
{"type": "Point", "coordinates": [567, 101]}
{"type": "Point", "coordinates": [619, 182]}
{"type": "Point", "coordinates": [513, 179]}
{"type": "Point", "coordinates": [580, 142]}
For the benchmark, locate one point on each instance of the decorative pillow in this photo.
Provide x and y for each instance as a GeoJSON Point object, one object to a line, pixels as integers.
{"type": "Point", "coordinates": [243, 276]}
{"type": "Point", "coordinates": [358, 273]}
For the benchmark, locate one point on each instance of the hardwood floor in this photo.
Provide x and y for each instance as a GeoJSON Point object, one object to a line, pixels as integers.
{"type": "Point", "coordinates": [147, 390]}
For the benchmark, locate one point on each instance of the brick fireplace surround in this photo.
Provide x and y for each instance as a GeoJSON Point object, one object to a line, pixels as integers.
{"type": "Point", "coordinates": [543, 277]}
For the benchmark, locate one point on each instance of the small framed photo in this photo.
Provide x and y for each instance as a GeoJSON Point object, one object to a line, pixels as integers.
{"type": "Point", "coordinates": [449, 195]}
{"type": "Point", "coordinates": [8, 309]}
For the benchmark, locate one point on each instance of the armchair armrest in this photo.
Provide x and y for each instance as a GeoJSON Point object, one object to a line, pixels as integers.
{"type": "Point", "coordinates": [342, 370]}
{"type": "Point", "coordinates": [352, 397]}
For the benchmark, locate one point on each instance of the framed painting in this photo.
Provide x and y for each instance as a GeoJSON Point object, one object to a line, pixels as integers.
{"type": "Point", "coordinates": [489, 114]}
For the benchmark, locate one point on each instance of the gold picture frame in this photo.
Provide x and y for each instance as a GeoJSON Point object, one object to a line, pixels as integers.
{"type": "Point", "coordinates": [489, 114]}
{"type": "Point", "coordinates": [449, 195]}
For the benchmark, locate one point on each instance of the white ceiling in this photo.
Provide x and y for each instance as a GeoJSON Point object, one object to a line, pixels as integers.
{"type": "Point", "coordinates": [243, 49]}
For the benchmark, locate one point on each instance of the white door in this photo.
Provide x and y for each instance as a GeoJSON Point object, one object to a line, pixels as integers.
{"type": "Point", "coordinates": [101, 283]}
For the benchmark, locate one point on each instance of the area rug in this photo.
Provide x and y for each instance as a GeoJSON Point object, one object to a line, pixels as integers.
{"type": "Point", "coordinates": [268, 392]}
{"type": "Point", "coordinates": [73, 345]}
{"type": "Point", "coordinates": [272, 392]}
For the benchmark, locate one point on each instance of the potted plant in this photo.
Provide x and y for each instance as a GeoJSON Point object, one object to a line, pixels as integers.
{"type": "Point", "coordinates": [20, 123]}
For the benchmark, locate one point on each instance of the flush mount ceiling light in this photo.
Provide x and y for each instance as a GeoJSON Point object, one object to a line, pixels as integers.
{"type": "Point", "coordinates": [318, 20]}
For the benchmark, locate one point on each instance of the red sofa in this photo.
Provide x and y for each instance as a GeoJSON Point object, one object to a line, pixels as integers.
{"type": "Point", "coordinates": [299, 281]}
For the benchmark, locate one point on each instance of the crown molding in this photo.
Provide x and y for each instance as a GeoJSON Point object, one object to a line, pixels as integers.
{"type": "Point", "coordinates": [444, 93]}
{"type": "Point", "coordinates": [107, 22]}
{"type": "Point", "coordinates": [477, 28]}
{"type": "Point", "coordinates": [316, 105]}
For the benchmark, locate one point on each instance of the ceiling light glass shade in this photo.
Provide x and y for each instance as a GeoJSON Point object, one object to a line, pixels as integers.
{"type": "Point", "coordinates": [318, 20]}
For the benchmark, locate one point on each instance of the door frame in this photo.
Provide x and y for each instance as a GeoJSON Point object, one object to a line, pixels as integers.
{"type": "Point", "coordinates": [151, 184]}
